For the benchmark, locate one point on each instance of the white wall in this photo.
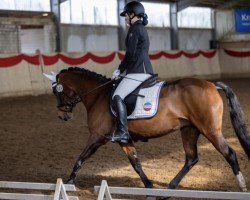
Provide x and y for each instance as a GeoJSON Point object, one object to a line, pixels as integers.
{"type": "Point", "coordinates": [77, 38]}
{"type": "Point", "coordinates": [31, 40]}
{"type": "Point", "coordinates": [12, 36]}
{"type": "Point", "coordinates": [159, 39]}
{"type": "Point", "coordinates": [194, 39]}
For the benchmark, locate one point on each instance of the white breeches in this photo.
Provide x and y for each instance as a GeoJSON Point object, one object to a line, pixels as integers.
{"type": "Point", "coordinates": [129, 83]}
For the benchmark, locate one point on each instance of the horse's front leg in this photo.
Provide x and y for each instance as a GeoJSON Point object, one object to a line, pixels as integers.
{"type": "Point", "coordinates": [131, 153]}
{"type": "Point", "coordinates": [93, 143]}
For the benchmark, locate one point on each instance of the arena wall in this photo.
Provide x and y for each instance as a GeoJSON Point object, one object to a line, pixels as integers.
{"type": "Point", "coordinates": [25, 78]}
{"type": "Point", "coordinates": [235, 65]}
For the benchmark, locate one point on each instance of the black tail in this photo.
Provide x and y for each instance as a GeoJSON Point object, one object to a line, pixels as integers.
{"type": "Point", "coordinates": [237, 117]}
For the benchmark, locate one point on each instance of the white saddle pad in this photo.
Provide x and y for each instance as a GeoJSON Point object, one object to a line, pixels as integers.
{"type": "Point", "coordinates": [146, 107]}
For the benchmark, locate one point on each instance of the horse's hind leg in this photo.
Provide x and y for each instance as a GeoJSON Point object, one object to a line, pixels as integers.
{"type": "Point", "coordinates": [229, 154]}
{"type": "Point", "coordinates": [93, 143]}
{"type": "Point", "coordinates": [131, 153]}
{"type": "Point", "coordinates": [190, 137]}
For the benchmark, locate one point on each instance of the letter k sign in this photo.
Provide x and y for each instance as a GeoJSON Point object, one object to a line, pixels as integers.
{"type": "Point", "coordinates": [245, 17]}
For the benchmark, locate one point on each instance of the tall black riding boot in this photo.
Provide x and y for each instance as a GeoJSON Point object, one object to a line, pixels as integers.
{"type": "Point", "coordinates": [121, 134]}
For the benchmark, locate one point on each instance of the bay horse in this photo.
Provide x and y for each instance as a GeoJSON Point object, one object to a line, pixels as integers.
{"type": "Point", "coordinates": [192, 105]}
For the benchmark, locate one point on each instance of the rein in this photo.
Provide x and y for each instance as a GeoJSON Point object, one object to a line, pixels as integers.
{"type": "Point", "coordinates": [91, 91]}
{"type": "Point", "coordinates": [70, 105]}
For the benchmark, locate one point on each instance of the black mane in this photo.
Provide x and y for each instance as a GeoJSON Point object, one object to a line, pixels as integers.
{"type": "Point", "coordinates": [87, 72]}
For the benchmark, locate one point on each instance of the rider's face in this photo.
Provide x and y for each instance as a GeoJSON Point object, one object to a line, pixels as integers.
{"type": "Point", "coordinates": [127, 19]}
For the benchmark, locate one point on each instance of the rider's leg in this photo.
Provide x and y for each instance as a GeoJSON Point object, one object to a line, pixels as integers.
{"type": "Point", "coordinates": [121, 134]}
{"type": "Point", "coordinates": [125, 87]}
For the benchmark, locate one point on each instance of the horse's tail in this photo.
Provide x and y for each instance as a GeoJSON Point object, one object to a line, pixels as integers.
{"type": "Point", "coordinates": [237, 117]}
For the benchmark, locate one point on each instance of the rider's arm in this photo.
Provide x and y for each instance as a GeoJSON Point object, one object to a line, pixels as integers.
{"type": "Point", "coordinates": [130, 54]}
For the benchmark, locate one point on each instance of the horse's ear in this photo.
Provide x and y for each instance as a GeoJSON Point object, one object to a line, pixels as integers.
{"type": "Point", "coordinates": [51, 77]}
{"type": "Point", "coordinates": [53, 73]}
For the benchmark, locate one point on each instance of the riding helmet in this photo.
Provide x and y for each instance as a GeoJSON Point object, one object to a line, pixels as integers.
{"type": "Point", "coordinates": [133, 7]}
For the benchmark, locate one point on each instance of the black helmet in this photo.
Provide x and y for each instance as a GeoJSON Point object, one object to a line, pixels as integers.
{"type": "Point", "coordinates": [133, 7]}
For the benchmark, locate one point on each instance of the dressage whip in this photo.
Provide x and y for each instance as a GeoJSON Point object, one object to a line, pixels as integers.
{"type": "Point", "coordinates": [88, 92]}
{"type": "Point", "coordinates": [135, 79]}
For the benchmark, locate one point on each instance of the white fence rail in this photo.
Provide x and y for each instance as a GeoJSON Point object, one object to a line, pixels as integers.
{"type": "Point", "coordinates": [59, 188]}
{"type": "Point", "coordinates": [105, 192]}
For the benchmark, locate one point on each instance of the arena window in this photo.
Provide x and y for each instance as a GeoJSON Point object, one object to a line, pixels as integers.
{"type": "Point", "coordinates": [25, 5]}
{"type": "Point", "coordinates": [65, 12]}
{"type": "Point", "coordinates": [89, 12]}
{"type": "Point", "coordinates": [158, 14]}
{"type": "Point", "coordinates": [195, 17]}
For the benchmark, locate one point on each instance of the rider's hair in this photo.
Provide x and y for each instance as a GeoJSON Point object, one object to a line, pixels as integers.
{"type": "Point", "coordinates": [144, 19]}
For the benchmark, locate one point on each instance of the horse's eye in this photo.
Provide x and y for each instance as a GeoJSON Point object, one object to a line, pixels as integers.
{"type": "Point", "coordinates": [72, 93]}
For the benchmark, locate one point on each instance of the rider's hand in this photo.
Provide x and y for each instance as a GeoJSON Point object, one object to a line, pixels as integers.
{"type": "Point", "coordinates": [116, 73]}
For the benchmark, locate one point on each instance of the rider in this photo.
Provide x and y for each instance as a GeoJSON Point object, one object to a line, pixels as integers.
{"type": "Point", "coordinates": [135, 66]}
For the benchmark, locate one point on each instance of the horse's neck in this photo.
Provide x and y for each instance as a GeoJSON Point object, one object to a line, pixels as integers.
{"type": "Point", "coordinates": [93, 93]}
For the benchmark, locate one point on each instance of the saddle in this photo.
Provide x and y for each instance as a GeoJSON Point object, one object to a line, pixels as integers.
{"type": "Point", "coordinates": [143, 101]}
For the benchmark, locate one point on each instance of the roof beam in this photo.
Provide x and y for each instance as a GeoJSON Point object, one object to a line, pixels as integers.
{"type": "Point", "coordinates": [228, 4]}
{"type": "Point", "coordinates": [55, 9]}
{"type": "Point", "coordinates": [182, 4]}
{"type": "Point", "coordinates": [174, 32]}
{"type": "Point", "coordinates": [122, 25]}
{"type": "Point", "coordinates": [61, 1]}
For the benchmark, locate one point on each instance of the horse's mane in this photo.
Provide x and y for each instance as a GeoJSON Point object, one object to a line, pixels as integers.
{"type": "Point", "coordinates": [86, 72]}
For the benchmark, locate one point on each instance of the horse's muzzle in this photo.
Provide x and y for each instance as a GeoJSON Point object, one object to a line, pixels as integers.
{"type": "Point", "coordinates": [65, 115]}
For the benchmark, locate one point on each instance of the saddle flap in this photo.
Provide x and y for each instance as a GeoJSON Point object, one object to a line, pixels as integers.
{"type": "Point", "coordinates": [150, 82]}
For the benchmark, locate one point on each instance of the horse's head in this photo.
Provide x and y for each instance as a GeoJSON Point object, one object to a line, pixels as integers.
{"type": "Point", "coordinates": [75, 84]}
{"type": "Point", "coordinates": [65, 93]}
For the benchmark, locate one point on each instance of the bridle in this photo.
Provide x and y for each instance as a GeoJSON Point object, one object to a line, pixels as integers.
{"type": "Point", "coordinates": [62, 105]}
{"type": "Point", "coordinates": [69, 105]}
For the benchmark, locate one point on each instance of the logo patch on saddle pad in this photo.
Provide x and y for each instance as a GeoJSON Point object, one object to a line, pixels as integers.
{"type": "Point", "coordinates": [147, 102]}
{"type": "Point", "coordinates": [147, 106]}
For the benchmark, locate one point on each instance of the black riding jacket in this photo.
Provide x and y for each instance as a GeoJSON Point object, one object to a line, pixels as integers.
{"type": "Point", "coordinates": [136, 59]}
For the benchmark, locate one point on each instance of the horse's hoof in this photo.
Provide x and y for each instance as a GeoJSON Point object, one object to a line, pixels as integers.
{"type": "Point", "coordinates": [163, 198]}
{"type": "Point", "coordinates": [150, 185]}
{"type": "Point", "coordinates": [71, 182]}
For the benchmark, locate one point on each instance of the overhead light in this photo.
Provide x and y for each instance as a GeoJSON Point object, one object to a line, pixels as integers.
{"type": "Point", "coordinates": [45, 14]}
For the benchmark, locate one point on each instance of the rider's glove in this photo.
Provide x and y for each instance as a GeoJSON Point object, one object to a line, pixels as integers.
{"type": "Point", "coordinates": [116, 73]}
